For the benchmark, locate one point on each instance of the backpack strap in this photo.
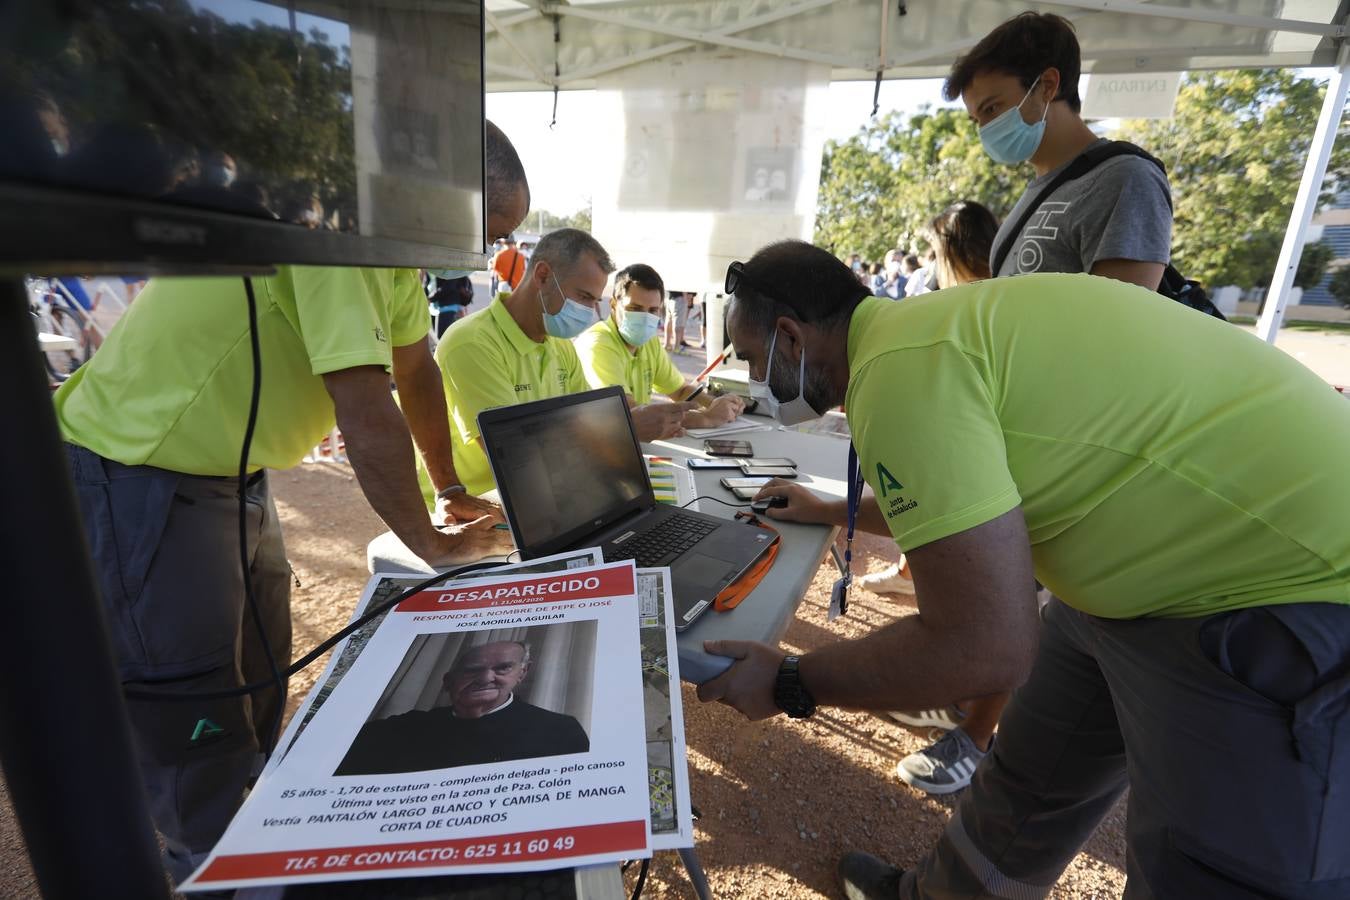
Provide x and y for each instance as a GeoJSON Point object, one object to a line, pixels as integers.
{"type": "Point", "coordinates": [1084, 163]}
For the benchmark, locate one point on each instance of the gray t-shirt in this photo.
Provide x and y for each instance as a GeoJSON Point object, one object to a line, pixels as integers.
{"type": "Point", "coordinates": [1119, 210]}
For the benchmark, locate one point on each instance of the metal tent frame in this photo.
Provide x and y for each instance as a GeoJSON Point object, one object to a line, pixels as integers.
{"type": "Point", "coordinates": [550, 45]}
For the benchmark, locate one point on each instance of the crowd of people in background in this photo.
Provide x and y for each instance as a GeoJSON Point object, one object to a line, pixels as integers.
{"type": "Point", "coordinates": [960, 239]}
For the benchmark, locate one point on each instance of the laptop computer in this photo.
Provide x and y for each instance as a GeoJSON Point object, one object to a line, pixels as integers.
{"type": "Point", "coordinates": [571, 474]}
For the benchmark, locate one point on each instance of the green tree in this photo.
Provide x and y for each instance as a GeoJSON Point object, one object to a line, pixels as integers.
{"type": "Point", "coordinates": [1235, 151]}
{"type": "Point", "coordinates": [1340, 286]}
{"type": "Point", "coordinates": [543, 221]}
{"type": "Point", "coordinates": [194, 82]}
{"type": "Point", "coordinates": [881, 187]}
{"type": "Point", "coordinates": [1312, 266]}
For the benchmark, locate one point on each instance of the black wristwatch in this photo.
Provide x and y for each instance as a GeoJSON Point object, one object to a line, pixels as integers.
{"type": "Point", "coordinates": [788, 693]}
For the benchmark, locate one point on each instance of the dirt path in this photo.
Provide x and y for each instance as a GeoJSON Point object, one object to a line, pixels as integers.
{"type": "Point", "coordinates": [780, 800]}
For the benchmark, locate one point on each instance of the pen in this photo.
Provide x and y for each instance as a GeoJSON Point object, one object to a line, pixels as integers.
{"type": "Point", "coordinates": [698, 390]}
{"type": "Point", "coordinates": [722, 357]}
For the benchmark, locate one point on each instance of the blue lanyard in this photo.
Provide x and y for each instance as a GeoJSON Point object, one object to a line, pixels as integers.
{"type": "Point", "coordinates": [855, 489]}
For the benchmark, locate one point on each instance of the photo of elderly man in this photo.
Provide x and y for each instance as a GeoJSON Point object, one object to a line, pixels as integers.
{"type": "Point", "coordinates": [482, 720]}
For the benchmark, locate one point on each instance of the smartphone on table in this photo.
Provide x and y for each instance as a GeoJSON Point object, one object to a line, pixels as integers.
{"type": "Point", "coordinates": [728, 448]}
{"type": "Point", "coordinates": [770, 461]}
{"type": "Point", "coordinates": [768, 471]}
{"type": "Point", "coordinates": [744, 488]}
{"type": "Point", "coordinates": [718, 462]}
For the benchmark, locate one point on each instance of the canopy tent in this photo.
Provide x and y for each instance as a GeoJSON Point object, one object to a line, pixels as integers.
{"type": "Point", "coordinates": [534, 45]}
{"type": "Point", "coordinates": [541, 45]}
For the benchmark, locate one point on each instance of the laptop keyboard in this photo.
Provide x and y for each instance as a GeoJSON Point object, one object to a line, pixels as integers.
{"type": "Point", "coordinates": [664, 543]}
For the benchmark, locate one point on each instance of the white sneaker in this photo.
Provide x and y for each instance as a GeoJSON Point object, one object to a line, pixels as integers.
{"type": "Point", "coordinates": [945, 767]}
{"type": "Point", "coordinates": [888, 581]}
{"type": "Point", "coordinates": [946, 718]}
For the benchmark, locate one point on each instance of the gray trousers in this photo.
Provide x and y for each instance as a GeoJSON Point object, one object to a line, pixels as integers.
{"type": "Point", "coordinates": [1232, 733]}
{"type": "Point", "coordinates": [166, 556]}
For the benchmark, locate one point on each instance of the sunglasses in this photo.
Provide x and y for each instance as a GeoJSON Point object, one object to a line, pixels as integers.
{"type": "Point", "coordinates": [736, 276]}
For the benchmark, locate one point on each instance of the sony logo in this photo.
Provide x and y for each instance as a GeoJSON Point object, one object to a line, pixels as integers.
{"type": "Point", "coordinates": [165, 231]}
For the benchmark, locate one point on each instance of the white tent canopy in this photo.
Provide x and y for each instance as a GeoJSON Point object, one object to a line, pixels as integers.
{"type": "Point", "coordinates": [536, 45]}
{"type": "Point", "coordinates": [544, 45]}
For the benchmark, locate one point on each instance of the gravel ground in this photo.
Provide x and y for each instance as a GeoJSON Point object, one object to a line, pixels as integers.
{"type": "Point", "coordinates": [780, 800]}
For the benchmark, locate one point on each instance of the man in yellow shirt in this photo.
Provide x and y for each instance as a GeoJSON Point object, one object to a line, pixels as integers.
{"type": "Point", "coordinates": [1080, 430]}
{"type": "Point", "coordinates": [520, 349]}
{"type": "Point", "coordinates": [622, 350]}
{"type": "Point", "coordinates": [154, 426]}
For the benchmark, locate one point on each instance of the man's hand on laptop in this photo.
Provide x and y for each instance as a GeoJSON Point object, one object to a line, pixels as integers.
{"type": "Point", "coordinates": [657, 421]}
{"type": "Point", "coordinates": [457, 509]}
{"type": "Point", "coordinates": [455, 545]}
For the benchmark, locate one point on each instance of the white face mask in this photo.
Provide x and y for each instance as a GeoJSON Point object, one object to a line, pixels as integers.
{"type": "Point", "coordinates": [790, 412]}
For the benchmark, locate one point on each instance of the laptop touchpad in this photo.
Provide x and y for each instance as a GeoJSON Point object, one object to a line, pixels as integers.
{"type": "Point", "coordinates": [699, 571]}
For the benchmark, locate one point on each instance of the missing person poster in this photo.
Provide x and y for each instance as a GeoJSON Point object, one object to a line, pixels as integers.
{"type": "Point", "coordinates": [482, 727]}
{"type": "Point", "coordinates": [380, 589]}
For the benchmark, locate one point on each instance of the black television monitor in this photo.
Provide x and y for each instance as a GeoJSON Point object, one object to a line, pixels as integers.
{"type": "Point", "coordinates": [215, 135]}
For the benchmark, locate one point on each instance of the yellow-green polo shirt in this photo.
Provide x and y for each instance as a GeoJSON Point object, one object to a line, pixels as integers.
{"type": "Point", "coordinates": [1167, 463]}
{"type": "Point", "coordinates": [487, 361]}
{"type": "Point", "coordinates": [170, 386]}
{"type": "Point", "coordinates": [607, 361]}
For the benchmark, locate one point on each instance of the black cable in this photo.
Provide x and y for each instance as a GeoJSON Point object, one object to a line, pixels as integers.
{"type": "Point", "coordinates": [641, 878]}
{"type": "Point", "coordinates": [277, 680]}
{"type": "Point", "coordinates": [716, 500]}
{"type": "Point", "coordinates": [320, 649]}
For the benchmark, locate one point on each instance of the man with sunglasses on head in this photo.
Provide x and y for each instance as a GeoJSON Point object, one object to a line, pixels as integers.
{"type": "Point", "coordinates": [623, 350]}
{"type": "Point", "coordinates": [1190, 528]}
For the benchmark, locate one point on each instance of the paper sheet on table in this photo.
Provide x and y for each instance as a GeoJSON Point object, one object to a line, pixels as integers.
{"type": "Point", "coordinates": [463, 807]}
{"type": "Point", "coordinates": [672, 482]}
{"type": "Point", "coordinates": [379, 589]}
{"type": "Point", "coordinates": [672, 822]}
{"type": "Point", "coordinates": [740, 424]}
{"type": "Point", "coordinates": [667, 765]}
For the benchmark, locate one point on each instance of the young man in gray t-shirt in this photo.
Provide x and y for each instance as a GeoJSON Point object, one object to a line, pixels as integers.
{"type": "Point", "coordinates": [1115, 221]}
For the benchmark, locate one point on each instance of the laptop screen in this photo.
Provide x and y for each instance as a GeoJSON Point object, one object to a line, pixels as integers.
{"type": "Point", "coordinates": [565, 467]}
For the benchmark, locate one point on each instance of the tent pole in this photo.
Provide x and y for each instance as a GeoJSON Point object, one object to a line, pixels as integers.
{"type": "Point", "coordinates": [1305, 203]}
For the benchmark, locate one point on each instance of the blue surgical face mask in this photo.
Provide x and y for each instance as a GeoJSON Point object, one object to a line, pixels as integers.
{"type": "Point", "coordinates": [571, 320]}
{"type": "Point", "coordinates": [637, 328]}
{"type": "Point", "coordinates": [1008, 138]}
